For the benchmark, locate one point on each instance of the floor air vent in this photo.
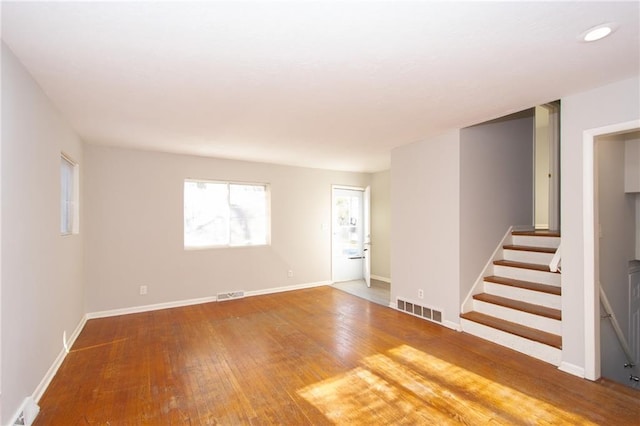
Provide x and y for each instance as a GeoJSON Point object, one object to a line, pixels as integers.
{"type": "Point", "coordinates": [230, 295]}
{"type": "Point", "coordinates": [424, 312]}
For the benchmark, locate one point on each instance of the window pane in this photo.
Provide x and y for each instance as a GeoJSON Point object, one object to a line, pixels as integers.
{"type": "Point", "coordinates": [224, 214]}
{"type": "Point", "coordinates": [206, 214]}
{"type": "Point", "coordinates": [66, 196]}
{"type": "Point", "coordinates": [248, 222]}
{"type": "Point", "coordinates": [346, 226]}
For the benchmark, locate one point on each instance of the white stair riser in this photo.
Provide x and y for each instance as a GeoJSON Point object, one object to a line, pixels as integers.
{"type": "Point", "coordinates": [531, 275]}
{"type": "Point", "coordinates": [530, 241]}
{"type": "Point", "coordinates": [529, 347]}
{"type": "Point", "coordinates": [524, 318]}
{"type": "Point", "coordinates": [528, 256]}
{"type": "Point", "coordinates": [524, 295]}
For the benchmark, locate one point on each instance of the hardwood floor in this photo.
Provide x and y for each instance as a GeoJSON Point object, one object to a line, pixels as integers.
{"type": "Point", "coordinates": [316, 356]}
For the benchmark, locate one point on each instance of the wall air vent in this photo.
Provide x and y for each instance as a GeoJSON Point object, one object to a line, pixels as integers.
{"type": "Point", "coordinates": [230, 295]}
{"type": "Point", "coordinates": [424, 312]}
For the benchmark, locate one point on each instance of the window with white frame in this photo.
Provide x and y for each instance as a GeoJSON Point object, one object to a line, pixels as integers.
{"type": "Point", "coordinates": [219, 214]}
{"type": "Point", "coordinates": [69, 220]}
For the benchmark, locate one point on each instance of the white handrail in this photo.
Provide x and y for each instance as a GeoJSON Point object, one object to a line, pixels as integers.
{"type": "Point", "coordinates": [616, 327]}
{"type": "Point", "coordinates": [554, 266]}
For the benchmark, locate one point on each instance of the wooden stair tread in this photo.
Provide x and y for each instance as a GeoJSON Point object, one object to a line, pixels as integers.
{"type": "Point", "coordinates": [527, 285]}
{"type": "Point", "coordinates": [519, 330]}
{"type": "Point", "coordinates": [520, 306]}
{"type": "Point", "coordinates": [537, 233]}
{"type": "Point", "coordinates": [522, 265]}
{"type": "Point", "coordinates": [529, 248]}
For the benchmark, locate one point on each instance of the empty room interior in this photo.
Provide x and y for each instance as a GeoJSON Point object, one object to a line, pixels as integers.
{"type": "Point", "coordinates": [292, 212]}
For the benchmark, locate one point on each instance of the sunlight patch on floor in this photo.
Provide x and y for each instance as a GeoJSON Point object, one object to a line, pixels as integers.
{"type": "Point", "coordinates": [361, 397]}
{"type": "Point", "coordinates": [409, 386]}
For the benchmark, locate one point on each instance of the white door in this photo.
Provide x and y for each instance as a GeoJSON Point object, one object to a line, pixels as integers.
{"type": "Point", "coordinates": [348, 234]}
{"type": "Point", "coordinates": [366, 251]}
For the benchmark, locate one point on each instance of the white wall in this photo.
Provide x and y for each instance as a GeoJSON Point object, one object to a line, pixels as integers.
{"type": "Point", "coordinates": [42, 289]}
{"type": "Point", "coordinates": [134, 223]}
{"type": "Point", "coordinates": [425, 218]}
{"type": "Point", "coordinates": [616, 216]}
{"type": "Point", "coordinates": [603, 106]}
{"type": "Point", "coordinates": [381, 224]}
{"type": "Point", "coordinates": [496, 188]}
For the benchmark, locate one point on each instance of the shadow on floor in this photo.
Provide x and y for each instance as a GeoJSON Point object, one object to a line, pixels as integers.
{"type": "Point", "coordinates": [379, 292]}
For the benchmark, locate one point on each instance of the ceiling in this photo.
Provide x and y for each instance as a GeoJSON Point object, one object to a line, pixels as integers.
{"type": "Point", "coordinates": [333, 85]}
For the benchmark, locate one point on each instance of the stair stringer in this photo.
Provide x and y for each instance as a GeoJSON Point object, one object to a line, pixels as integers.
{"type": "Point", "coordinates": [478, 285]}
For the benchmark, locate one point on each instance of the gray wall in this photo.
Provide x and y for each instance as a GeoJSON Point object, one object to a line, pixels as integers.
{"type": "Point", "coordinates": [42, 288]}
{"type": "Point", "coordinates": [496, 188]}
{"type": "Point", "coordinates": [616, 215]}
{"type": "Point", "coordinates": [134, 223]}
{"type": "Point", "coordinates": [425, 211]}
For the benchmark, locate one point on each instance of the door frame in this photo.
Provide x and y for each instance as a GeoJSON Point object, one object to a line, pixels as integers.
{"type": "Point", "coordinates": [553, 193]}
{"type": "Point", "coordinates": [590, 247]}
{"type": "Point", "coordinates": [348, 188]}
{"type": "Point", "coordinates": [554, 166]}
{"type": "Point", "coordinates": [366, 238]}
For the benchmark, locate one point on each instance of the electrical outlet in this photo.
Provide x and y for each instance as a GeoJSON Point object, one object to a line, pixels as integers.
{"type": "Point", "coordinates": [143, 290]}
{"type": "Point", "coordinates": [289, 273]}
{"type": "Point", "coordinates": [420, 294]}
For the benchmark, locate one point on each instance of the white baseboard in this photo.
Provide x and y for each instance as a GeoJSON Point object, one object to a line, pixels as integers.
{"type": "Point", "coordinates": [198, 301]}
{"type": "Point", "coordinates": [149, 308]}
{"type": "Point", "coordinates": [46, 380]}
{"type": "Point", "coordinates": [287, 288]}
{"type": "Point", "coordinates": [571, 369]}
{"type": "Point", "coordinates": [379, 278]}
{"type": "Point", "coordinates": [452, 325]}
{"type": "Point", "coordinates": [30, 411]}
{"type": "Point", "coordinates": [30, 406]}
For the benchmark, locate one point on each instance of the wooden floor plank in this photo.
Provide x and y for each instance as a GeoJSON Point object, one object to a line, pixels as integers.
{"type": "Point", "coordinates": [316, 356]}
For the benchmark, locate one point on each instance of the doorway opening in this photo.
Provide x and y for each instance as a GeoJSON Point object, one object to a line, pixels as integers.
{"type": "Point", "coordinates": [590, 235]}
{"type": "Point", "coordinates": [547, 167]}
{"type": "Point", "coordinates": [351, 245]}
{"type": "Point", "coordinates": [350, 242]}
{"type": "Point", "coordinates": [617, 210]}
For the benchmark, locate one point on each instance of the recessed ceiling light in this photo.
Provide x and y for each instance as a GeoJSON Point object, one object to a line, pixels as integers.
{"type": "Point", "coordinates": [597, 33]}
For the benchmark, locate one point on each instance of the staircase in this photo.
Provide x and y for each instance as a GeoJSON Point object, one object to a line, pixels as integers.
{"type": "Point", "coordinates": [517, 302]}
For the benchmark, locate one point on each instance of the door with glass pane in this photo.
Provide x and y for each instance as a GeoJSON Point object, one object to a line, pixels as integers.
{"type": "Point", "coordinates": [348, 234]}
{"type": "Point", "coordinates": [366, 251]}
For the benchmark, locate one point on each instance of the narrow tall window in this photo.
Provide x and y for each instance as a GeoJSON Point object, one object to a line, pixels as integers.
{"type": "Point", "coordinates": [68, 196]}
{"type": "Point", "coordinates": [225, 214]}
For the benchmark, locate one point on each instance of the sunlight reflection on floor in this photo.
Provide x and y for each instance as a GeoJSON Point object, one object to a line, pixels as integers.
{"type": "Point", "coordinates": [408, 386]}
